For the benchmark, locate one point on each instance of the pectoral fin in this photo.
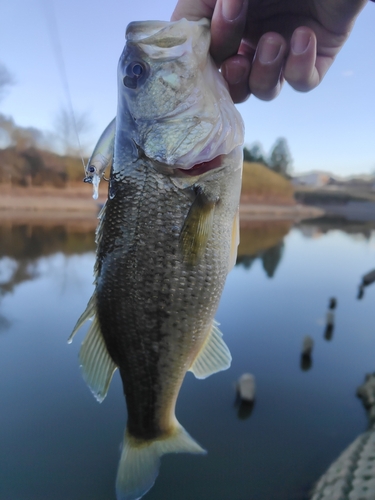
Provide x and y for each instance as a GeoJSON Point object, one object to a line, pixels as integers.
{"type": "Point", "coordinates": [214, 355]}
{"type": "Point", "coordinates": [197, 228]}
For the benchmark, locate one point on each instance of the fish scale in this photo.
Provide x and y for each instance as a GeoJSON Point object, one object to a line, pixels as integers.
{"type": "Point", "coordinates": [147, 301]}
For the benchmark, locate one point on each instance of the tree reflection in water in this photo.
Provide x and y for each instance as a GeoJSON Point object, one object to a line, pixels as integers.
{"type": "Point", "coordinates": [21, 245]}
{"type": "Point", "coordinates": [263, 240]}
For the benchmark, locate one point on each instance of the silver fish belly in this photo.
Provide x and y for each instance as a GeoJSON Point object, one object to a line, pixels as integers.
{"type": "Point", "coordinates": [166, 240]}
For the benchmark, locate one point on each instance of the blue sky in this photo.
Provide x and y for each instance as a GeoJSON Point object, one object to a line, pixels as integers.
{"type": "Point", "coordinates": [331, 128]}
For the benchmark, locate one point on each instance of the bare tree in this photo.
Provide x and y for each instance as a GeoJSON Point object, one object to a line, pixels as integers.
{"type": "Point", "coordinates": [6, 79]}
{"type": "Point", "coordinates": [70, 129]}
{"type": "Point", "coordinates": [22, 138]}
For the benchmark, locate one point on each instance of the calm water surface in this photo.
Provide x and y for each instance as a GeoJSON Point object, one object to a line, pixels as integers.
{"type": "Point", "coordinates": [57, 442]}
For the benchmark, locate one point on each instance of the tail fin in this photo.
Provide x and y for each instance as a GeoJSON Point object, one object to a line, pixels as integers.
{"type": "Point", "coordinates": [139, 462]}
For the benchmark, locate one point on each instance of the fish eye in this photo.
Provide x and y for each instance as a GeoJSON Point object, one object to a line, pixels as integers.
{"type": "Point", "coordinates": [137, 69]}
{"type": "Point", "coordinates": [133, 74]}
{"type": "Point", "coordinates": [91, 169]}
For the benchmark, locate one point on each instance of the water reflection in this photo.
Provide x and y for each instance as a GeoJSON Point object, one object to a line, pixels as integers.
{"type": "Point", "coordinates": [33, 241]}
{"type": "Point", "coordinates": [262, 240]}
{"type": "Point", "coordinates": [22, 245]}
{"type": "Point", "coordinates": [330, 319]}
{"type": "Point", "coordinates": [306, 362]}
{"type": "Point", "coordinates": [301, 420]}
{"type": "Point", "coordinates": [4, 323]}
{"type": "Point", "coordinates": [244, 409]}
{"type": "Point", "coordinates": [306, 354]}
{"type": "Point", "coordinates": [330, 325]}
{"type": "Point", "coordinates": [317, 227]}
{"type": "Point", "coordinates": [367, 280]}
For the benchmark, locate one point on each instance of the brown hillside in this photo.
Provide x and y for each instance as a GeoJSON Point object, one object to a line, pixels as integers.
{"type": "Point", "coordinates": [261, 185]}
{"type": "Point", "coordinates": [35, 167]}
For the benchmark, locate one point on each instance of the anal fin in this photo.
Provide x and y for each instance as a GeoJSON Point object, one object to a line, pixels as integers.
{"type": "Point", "coordinates": [87, 314]}
{"type": "Point", "coordinates": [214, 355]}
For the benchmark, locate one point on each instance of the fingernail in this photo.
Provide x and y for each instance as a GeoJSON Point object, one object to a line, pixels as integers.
{"type": "Point", "coordinates": [231, 9]}
{"type": "Point", "coordinates": [235, 75]}
{"type": "Point", "coordinates": [300, 41]}
{"type": "Point", "coordinates": [268, 50]}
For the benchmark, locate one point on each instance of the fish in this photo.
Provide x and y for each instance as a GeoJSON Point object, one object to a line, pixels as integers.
{"type": "Point", "coordinates": [101, 158]}
{"type": "Point", "coordinates": [166, 239]}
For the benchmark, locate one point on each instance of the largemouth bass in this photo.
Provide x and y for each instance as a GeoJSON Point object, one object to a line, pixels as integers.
{"type": "Point", "coordinates": [166, 239]}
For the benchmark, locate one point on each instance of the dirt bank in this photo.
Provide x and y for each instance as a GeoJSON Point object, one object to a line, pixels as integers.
{"type": "Point", "coordinates": [75, 203]}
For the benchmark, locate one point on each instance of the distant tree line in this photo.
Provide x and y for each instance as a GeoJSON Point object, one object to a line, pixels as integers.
{"type": "Point", "coordinates": [279, 159]}
{"type": "Point", "coordinates": [32, 157]}
{"type": "Point", "coordinates": [28, 155]}
{"type": "Point", "coordinates": [35, 167]}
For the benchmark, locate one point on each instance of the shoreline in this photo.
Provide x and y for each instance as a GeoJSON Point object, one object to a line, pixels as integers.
{"type": "Point", "coordinates": [294, 213]}
{"type": "Point", "coordinates": [75, 204]}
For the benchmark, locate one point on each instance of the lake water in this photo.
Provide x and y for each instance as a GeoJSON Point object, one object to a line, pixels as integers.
{"type": "Point", "coordinates": [57, 442]}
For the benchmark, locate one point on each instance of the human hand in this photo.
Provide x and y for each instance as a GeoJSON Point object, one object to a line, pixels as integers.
{"type": "Point", "coordinates": [261, 43]}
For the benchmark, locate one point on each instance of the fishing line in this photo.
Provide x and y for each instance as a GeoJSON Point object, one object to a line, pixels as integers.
{"type": "Point", "coordinates": [49, 10]}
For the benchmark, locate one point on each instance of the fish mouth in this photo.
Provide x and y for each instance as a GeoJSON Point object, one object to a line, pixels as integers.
{"type": "Point", "coordinates": [202, 168]}
{"type": "Point", "coordinates": [195, 170]}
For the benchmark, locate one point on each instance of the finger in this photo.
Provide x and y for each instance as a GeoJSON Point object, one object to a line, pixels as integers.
{"type": "Point", "coordinates": [265, 76]}
{"type": "Point", "coordinates": [227, 27]}
{"type": "Point", "coordinates": [193, 9]}
{"type": "Point", "coordinates": [303, 71]}
{"type": "Point", "coordinates": [236, 71]}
